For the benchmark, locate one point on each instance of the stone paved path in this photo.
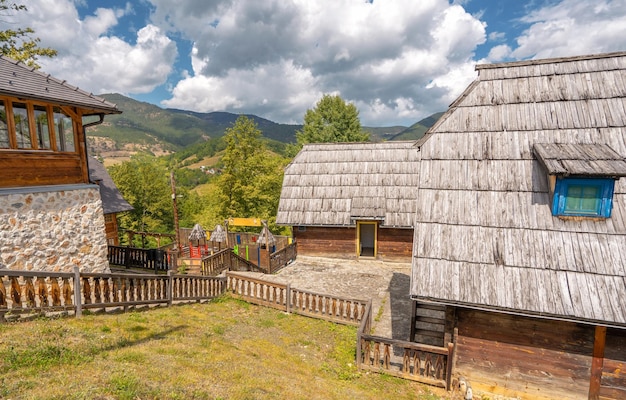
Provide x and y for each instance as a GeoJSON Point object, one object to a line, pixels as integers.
{"type": "Point", "coordinates": [386, 283]}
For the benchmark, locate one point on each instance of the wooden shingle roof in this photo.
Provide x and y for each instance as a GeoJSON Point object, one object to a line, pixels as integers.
{"type": "Point", "coordinates": [21, 81]}
{"type": "Point", "coordinates": [335, 184]}
{"type": "Point", "coordinates": [485, 236]}
{"type": "Point", "coordinates": [580, 159]}
{"type": "Point", "coordinates": [112, 199]}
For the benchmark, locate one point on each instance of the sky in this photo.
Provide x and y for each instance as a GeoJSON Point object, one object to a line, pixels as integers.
{"type": "Point", "coordinates": [397, 61]}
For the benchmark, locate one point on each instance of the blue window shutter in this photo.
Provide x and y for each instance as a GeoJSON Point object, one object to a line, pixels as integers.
{"type": "Point", "coordinates": [582, 197]}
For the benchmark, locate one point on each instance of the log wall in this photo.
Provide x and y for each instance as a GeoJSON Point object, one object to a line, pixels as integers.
{"type": "Point", "coordinates": [326, 242]}
{"type": "Point", "coordinates": [523, 357]}
{"type": "Point", "coordinates": [613, 382]}
{"type": "Point", "coordinates": [393, 244]}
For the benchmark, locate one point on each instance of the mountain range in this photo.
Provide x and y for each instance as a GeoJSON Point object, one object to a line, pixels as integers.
{"type": "Point", "coordinates": [147, 127]}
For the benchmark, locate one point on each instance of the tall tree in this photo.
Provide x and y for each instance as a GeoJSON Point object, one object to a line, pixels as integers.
{"type": "Point", "coordinates": [143, 182]}
{"type": "Point", "coordinates": [19, 44]}
{"type": "Point", "coordinates": [332, 120]}
{"type": "Point", "coordinates": [249, 185]}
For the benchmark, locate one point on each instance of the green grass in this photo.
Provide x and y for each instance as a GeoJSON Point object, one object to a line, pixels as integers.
{"type": "Point", "coordinates": [225, 349]}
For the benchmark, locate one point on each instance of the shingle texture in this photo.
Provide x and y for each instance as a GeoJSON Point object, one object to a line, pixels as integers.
{"type": "Point", "coordinates": [112, 200]}
{"type": "Point", "coordinates": [484, 235]}
{"type": "Point", "coordinates": [335, 184]}
{"type": "Point", "coordinates": [19, 80]}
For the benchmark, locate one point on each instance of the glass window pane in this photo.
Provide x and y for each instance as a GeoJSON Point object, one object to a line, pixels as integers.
{"type": "Point", "coordinates": [64, 131]}
{"type": "Point", "coordinates": [582, 199]}
{"type": "Point", "coordinates": [4, 127]}
{"type": "Point", "coordinates": [22, 130]}
{"type": "Point", "coordinates": [41, 125]}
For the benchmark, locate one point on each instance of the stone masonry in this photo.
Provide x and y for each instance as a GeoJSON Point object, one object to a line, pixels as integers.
{"type": "Point", "coordinates": [53, 230]}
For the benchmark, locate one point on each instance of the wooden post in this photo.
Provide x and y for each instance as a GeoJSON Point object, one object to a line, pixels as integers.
{"type": "Point", "coordinates": [170, 289]}
{"type": "Point", "coordinates": [176, 229]}
{"type": "Point", "coordinates": [597, 363]}
{"type": "Point", "coordinates": [288, 299]}
{"type": "Point", "coordinates": [77, 293]}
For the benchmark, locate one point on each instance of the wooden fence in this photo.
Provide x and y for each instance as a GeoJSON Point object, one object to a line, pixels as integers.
{"type": "Point", "coordinates": [226, 260]}
{"type": "Point", "coordinates": [409, 360]}
{"type": "Point", "coordinates": [283, 297]}
{"type": "Point", "coordinates": [282, 257]}
{"type": "Point", "coordinates": [156, 260]}
{"type": "Point", "coordinates": [42, 292]}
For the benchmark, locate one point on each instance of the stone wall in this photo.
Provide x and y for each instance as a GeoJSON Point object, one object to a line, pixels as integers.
{"type": "Point", "coordinates": [47, 229]}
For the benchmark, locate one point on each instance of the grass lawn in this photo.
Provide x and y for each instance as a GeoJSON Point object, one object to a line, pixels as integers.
{"type": "Point", "coordinates": [226, 349]}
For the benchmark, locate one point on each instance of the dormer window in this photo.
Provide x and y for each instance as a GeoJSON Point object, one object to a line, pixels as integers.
{"type": "Point", "coordinates": [581, 177]}
{"type": "Point", "coordinates": [586, 197]}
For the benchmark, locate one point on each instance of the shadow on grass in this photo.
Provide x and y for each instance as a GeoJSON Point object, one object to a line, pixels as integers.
{"type": "Point", "coordinates": [125, 342]}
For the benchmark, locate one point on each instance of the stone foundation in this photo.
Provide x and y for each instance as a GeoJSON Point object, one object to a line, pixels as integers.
{"type": "Point", "coordinates": [48, 229]}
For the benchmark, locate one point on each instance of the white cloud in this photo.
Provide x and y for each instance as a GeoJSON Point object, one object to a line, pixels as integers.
{"type": "Point", "coordinates": [573, 27]}
{"type": "Point", "coordinates": [93, 59]}
{"type": "Point", "coordinates": [276, 58]}
{"type": "Point", "coordinates": [498, 53]}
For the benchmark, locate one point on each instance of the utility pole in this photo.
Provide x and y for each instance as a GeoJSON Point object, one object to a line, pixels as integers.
{"type": "Point", "coordinates": [176, 230]}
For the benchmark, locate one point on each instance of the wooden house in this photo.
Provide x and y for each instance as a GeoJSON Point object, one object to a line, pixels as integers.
{"type": "Point", "coordinates": [520, 229]}
{"type": "Point", "coordinates": [351, 200]}
{"type": "Point", "coordinates": [51, 215]}
{"type": "Point", "coordinates": [113, 202]}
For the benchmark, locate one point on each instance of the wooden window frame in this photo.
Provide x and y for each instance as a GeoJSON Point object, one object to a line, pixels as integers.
{"type": "Point", "coordinates": [32, 125]}
{"type": "Point", "coordinates": [604, 200]}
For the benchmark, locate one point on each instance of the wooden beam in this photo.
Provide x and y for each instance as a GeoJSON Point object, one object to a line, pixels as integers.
{"type": "Point", "coordinates": [597, 363]}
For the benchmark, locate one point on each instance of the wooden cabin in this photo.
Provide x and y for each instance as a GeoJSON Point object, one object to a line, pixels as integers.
{"type": "Point", "coordinates": [351, 200]}
{"type": "Point", "coordinates": [520, 230]}
{"type": "Point", "coordinates": [113, 202]}
{"type": "Point", "coordinates": [50, 213]}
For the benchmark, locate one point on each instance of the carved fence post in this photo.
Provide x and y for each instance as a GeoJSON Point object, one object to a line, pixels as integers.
{"type": "Point", "coordinates": [77, 293]}
{"type": "Point", "coordinates": [170, 289]}
{"type": "Point", "coordinates": [288, 299]}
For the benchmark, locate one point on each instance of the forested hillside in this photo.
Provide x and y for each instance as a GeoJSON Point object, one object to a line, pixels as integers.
{"type": "Point", "coordinates": [144, 127]}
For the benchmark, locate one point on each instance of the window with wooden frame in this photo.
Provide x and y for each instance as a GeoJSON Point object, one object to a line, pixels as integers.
{"type": "Point", "coordinates": [585, 197]}
{"type": "Point", "coordinates": [33, 126]}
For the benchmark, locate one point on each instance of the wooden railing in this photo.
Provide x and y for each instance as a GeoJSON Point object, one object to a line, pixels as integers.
{"type": "Point", "coordinates": [323, 306]}
{"type": "Point", "coordinates": [38, 292]}
{"type": "Point", "coordinates": [257, 291]}
{"type": "Point", "coordinates": [283, 297]}
{"type": "Point", "coordinates": [283, 257]}
{"type": "Point", "coordinates": [414, 361]}
{"type": "Point", "coordinates": [156, 260]}
{"type": "Point", "coordinates": [33, 292]}
{"type": "Point", "coordinates": [226, 260]}
{"type": "Point", "coordinates": [22, 291]}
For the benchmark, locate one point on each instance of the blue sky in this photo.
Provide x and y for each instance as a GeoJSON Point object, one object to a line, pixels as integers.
{"type": "Point", "coordinates": [398, 61]}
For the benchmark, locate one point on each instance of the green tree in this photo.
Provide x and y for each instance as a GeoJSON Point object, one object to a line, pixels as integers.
{"type": "Point", "coordinates": [19, 44]}
{"type": "Point", "coordinates": [331, 121]}
{"type": "Point", "coordinates": [144, 183]}
{"type": "Point", "coordinates": [251, 178]}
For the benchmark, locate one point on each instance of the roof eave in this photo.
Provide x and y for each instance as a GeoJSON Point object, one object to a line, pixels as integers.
{"type": "Point", "coordinates": [522, 313]}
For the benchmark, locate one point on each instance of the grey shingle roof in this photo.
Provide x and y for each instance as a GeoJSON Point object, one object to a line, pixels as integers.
{"type": "Point", "coordinates": [580, 159]}
{"type": "Point", "coordinates": [485, 236]}
{"type": "Point", "coordinates": [333, 184]}
{"type": "Point", "coordinates": [19, 80]}
{"type": "Point", "coordinates": [112, 200]}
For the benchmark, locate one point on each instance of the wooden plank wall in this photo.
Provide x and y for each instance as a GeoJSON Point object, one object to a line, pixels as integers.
{"type": "Point", "coordinates": [395, 244]}
{"type": "Point", "coordinates": [526, 357]}
{"type": "Point", "coordinates": [326, 242]}
{"type": "Point", "coordinates": [41, 168]}
{"type": "Point", "coordinates": [613, 382]}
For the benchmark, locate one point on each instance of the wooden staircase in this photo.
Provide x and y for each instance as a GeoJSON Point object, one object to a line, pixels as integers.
{"type": "Point", "coordinates": [428, 325]}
